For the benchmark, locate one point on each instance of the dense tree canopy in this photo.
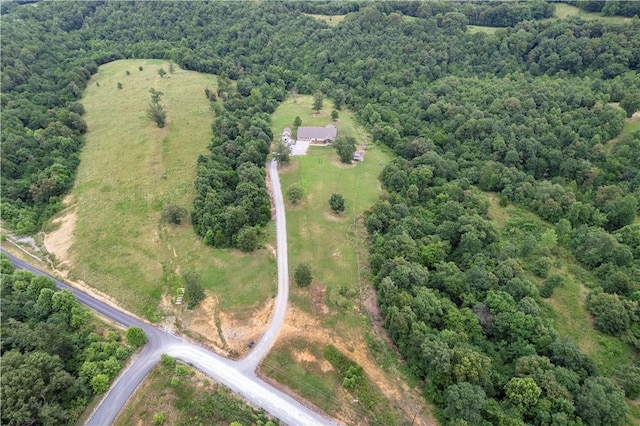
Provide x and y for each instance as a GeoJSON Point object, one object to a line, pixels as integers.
{"type": "Point", "coordinates": [527, 112]}
{"type": "Point", "coordinates": [52, 358]}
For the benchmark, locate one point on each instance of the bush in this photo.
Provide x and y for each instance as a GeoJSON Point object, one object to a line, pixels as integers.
{"type": "Point", "coordinates": [303, 275]}
{"type": "Point", "coordinates": [159, 418]}
{"type": "Point", "coordinates": [550, 284]}
{"type": "Point", "coordinates": [541, 267]}
{"type": "Point", "coordinates": [193, 293]}
{"type": "Point", "coordinates": [337, 203]}
{"type": "Point", "coordinates": [174, 213]}
{"type": "Point", "coordinates": [295, 193]}
{"type": "Point", "coordinates": [135, 337]}
{"type": "Point", "coordinates": [247, 240]}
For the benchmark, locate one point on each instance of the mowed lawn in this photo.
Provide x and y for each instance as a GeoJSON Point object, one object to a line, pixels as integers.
{"type": "Point", "coordinates": [130, 171]}
{"type": "Point", "coordinates": [316, 235]}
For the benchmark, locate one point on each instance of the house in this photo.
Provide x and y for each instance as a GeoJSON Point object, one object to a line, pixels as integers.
{"type": "Point", "coordinates": [325, 134]}
{"type": "Point", "coordinates": [286, 134]}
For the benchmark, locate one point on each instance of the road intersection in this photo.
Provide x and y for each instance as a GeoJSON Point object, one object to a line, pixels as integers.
{"type": "Point", "coordinates": [239, 376]}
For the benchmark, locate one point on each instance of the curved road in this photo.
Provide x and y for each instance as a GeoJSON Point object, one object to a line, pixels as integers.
{"type": "Point", "coordinates": [239, 376]}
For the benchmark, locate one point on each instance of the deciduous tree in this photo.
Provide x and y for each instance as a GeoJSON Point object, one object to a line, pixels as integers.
{"type": "Point", "coordinates": [336, 202]}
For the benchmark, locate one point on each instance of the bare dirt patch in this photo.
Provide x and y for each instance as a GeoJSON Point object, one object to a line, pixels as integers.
{"type": "Point", "coordinates": [59, 241]}
{"type": "Point", "coordinates": [319, 298]}
{"type": "Point", "coordinates": [239, 331]}
{"type": "Point", "coordinates": [225, 333]}
{"type": "Point", "coordinates": [301, 326]}
{"type": "Point", "coordinates": [334, 217]}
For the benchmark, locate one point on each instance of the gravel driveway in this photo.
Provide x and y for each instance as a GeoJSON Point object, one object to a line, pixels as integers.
{"type": "Point", "coordinates": [300, 148]}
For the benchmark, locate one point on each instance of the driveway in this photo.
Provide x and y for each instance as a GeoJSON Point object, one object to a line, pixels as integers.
{"type": "Point", "coordinates": [300, 148]}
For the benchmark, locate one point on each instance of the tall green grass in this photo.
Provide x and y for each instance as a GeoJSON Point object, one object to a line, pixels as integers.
{"type": "Point", "coordinates": [130, 171]}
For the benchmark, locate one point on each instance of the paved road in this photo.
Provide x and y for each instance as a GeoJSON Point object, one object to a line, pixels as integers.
{"type": "Point", "coordinates": [239, 376]}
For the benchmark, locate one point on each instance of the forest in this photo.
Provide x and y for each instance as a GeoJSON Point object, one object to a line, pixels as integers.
{"type": "Point", "coordinates": [532, 112]}
{"type": "Point", "coordinates": [54, 356]}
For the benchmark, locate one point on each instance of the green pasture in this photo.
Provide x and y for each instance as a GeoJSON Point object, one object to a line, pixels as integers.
{"type": "Point", "coordinates": [564, 11]}
{"type": "Point", "coordinates": [315, 235]}
{"type": "Point", "coordinates": [130, 171]}
{"type": "Point", "coordinates": [331, 20]}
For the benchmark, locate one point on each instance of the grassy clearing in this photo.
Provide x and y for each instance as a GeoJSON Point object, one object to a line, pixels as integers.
{"type": "Point", "coordinates": [305, 373]}
{"type": "Point", "coordinates": [182, 395]}
{"type": "Point", "coordinates": [316, 235]}
{"type": "Point", "coordinates": [568, 302]}
{"type": "Point", "coordinates": [473, 29]}
{"type": "Point", "coordinates": [630, 125]}
{"type": "Point", "coordinates": [335, 247]}
{"type": "Point", "coordinates": [564, 11]}
{"type": "Point", "coordinates": [130, 170]}
{"type": "Point", "coordinates": [331, 20]}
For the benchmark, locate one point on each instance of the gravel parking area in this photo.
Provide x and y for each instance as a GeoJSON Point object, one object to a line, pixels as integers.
{"type": "Point", "coordinates": [300, 148]}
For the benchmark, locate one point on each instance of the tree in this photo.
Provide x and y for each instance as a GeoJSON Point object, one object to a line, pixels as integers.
{"type": "Point", "coordinates": [174, 213]}
{"type": "Point", "coordinates": [135, 337]}
{"type": "Point", "coordinates": [297, 122]}
{"type": "Point", "coordinates": [157, 113]}
{"type": "Point", "coordinates": [464, 401]}
{"type": "Point", "coordinates": [171, 68]}
{"type": "Point", "coordinates": [119, 86]}
{"type": "Point", "coordinates": [248, 239]}
{"type": "Point", "coordinates": [600, 403]}
{"type": "Point", "coordinates": [281, 152]}
{"type": "Point", "coordinates": [334, 115]}
{"type": "Point", "coordinates": [339, 98]}
{"type": "Point", "coordinates": [337, 203]}
{"type": "Point", "coordinates": [318, 99]}
{"type": "Point", "coordinates": [161, 72]}
{"type": "Point", "coordinates": [631, 103]}
{"type": "Point", "coordinates": [100, 383]}
{"type": "Point", "coordinates": [193, 292]}
{"type": "Point", "coordinates": [523, 392]}
{"type": "Point", "coordinates": [303, 275]}
{"type": "Point", "coordinates": [295, 193]}
{"type": "Point", "coordinates": [345, 147]}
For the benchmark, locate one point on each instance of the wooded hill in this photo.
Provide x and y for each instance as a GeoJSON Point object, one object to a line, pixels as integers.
{"type": "Point", "coordinates": [527, 112]}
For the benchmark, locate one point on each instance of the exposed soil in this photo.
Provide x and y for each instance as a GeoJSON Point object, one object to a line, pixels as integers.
{"type": "Point", "coordinates": [301, 326]}
{"type": "Point", "coordinates": [319, 298]}
{"type": "Point", "coordinates": [334, 217]}
{"type": "Point", "coordinates": [59, 241]}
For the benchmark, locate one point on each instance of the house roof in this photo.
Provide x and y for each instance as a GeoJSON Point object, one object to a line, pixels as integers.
{"type": "Point", "coordinates": [328, 132]}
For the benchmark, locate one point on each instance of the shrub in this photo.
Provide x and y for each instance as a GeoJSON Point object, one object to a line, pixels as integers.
{"type": "Point", "coordinates": [295, 193]}
{"type": "Point", "coordinates": [135, 337]}
{"type": "Point", "coordinates": [303, 275]}
{"type": "Point", "coordinates": [174, 213]}
{"type": "Point", "coordinates": [337, 203]}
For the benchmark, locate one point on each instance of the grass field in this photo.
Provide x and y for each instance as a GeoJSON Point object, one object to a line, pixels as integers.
{"type": "Point", "coordinates": [130, 170]}
{"type": "Point", "coordinates": [564, 11]}
{"type": "Point", "coordinates": [331, 20]}
{"type": "Point", "coordinates": [316, 235]}
{"type": "Point", "coordinates": [473, 29]}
